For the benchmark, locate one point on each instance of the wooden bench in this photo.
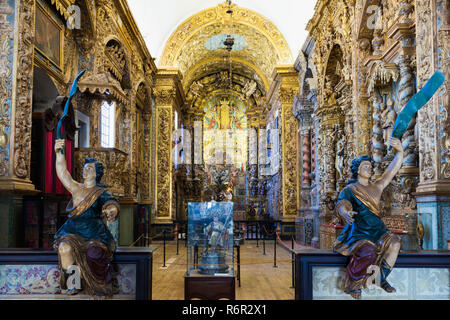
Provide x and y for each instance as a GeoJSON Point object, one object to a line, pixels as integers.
{"type": "Point", "coordinates": [135, 262]}
{"type": "Point", "coordinates": [307, 260]}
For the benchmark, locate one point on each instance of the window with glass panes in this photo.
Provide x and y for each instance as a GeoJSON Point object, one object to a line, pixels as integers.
{"type": "Point", "coordinates": [107, 127]}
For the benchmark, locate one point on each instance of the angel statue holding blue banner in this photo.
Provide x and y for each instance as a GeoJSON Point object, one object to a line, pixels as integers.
{"type": "Point", "coordinates": [365, 237]}
{"type": "Point", "coordinates": [84, 240]}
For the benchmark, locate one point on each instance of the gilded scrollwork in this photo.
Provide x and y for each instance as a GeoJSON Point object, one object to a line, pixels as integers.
{"type": "Point", "coordinates": [406, 93]}
{"type": "Point", "coordinates": [116, 172]}
{"type": "Point", "coordinates": [164, 96]}
{"type": "Point", "coordinates": [22, 134]}
{"type": "Point", "coordinates": [443, 41]}
{"type": "Point", "coordinates": [163, 165]}
{"type": "Point", "coordinates": [241, 16]}
{"type": "Point", "coordinates": [6, 38]}
{"type": "Point", "coordinates": [371, 77]}
{"type": "Point", "coordinates": [426, 116]}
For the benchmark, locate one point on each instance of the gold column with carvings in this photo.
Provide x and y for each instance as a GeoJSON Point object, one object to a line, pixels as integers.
{"type": "Point", "coordinates": [169, 96]}
{"type": "Point", "coordinates": [283, 91]}
{"type": "Point", "coordinates": [15, 173]}
{"type": "Point", "coordinates": [432, 193]}
{"type": "Point", "coordinates": [16, 90]}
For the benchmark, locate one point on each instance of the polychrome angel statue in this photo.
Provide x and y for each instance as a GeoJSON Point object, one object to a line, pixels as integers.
{"type": "Point", "coordinates": [365, 237]}
{"type": "Point", "coordinates": [84, 239]}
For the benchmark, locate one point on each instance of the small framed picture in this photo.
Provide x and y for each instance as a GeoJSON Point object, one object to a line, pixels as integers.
{"type": "Point", "coordinates": [48, 40]}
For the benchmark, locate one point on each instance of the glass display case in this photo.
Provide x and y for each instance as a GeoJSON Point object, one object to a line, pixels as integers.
{"type": "Point", "coordinates": [210, 239]}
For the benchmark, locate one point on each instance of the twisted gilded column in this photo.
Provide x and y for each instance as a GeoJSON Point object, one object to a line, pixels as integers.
{"type": "Point", "coordinates": [362, 114]}
{"type": "Point", "coordinates": [303, 112]}
{"type": "Point", "coordinates": [406, 91]}
{"type": "Point", "coordinates": [305, 222]}
{"type": "Point", "coordinates": [377, 138]}
{"type": "Point", "coordinates": [305, 138]}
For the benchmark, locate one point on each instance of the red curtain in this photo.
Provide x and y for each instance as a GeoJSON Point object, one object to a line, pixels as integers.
{"type": "Point", "coordinates": [52, 183]}
{"type": "Point", "coordinates": [48, 188]}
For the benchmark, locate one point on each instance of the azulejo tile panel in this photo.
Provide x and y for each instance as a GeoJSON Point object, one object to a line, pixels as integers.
{"type": "Point", "coordinates": [445, 217]}
{"type": "Point", "coordinates": [29, 279]}
{"type": "Point", "coordinates": [44, 279]}
{"type": "Point", "coordinates": [127, 279]}
{"type": "Point", "coordinates": [411, 284]}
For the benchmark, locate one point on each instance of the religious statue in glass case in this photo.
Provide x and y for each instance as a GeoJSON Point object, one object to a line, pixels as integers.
{"type": "Point", "coordinates": [210, 238]}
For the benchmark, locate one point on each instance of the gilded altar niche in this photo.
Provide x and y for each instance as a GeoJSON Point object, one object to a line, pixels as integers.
{"type": "Point", "coordinates": [224, 114]}
{"type": "Point", "coordinates": [121, 71]}
{"type": "Point", "coordinates": [116, 61]}
{"type": "Point", "coordinates": [366, 65]}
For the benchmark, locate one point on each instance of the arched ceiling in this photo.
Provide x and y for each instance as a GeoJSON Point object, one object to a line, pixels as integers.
{"type": "Point", "coordinates": [211, 66]}
{"type": "Point", "coordinates": [193, 53]}
{"type": "Point", "coordinates": [196, 46]}
{"type": "Point", "coordinates": [157, 20]}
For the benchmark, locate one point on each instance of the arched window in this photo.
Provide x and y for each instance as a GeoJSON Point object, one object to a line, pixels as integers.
{"type": "Point", "coordinates": [108, 125]}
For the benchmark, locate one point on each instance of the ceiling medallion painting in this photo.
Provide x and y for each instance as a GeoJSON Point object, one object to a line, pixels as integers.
{"type": "Point", "coordinates": [217, 42]}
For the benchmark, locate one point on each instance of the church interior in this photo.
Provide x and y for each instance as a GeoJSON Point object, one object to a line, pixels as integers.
{"type": "Point", "coordinates": [227, 133]}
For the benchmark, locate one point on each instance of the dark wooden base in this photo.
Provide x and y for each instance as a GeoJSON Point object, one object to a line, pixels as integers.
{"type": "Point", "coordinates": [306, 260]}
{"type": "Point", "coordinates": [139, 256]}
{"type": "Point", "coordinates": [209, 288]}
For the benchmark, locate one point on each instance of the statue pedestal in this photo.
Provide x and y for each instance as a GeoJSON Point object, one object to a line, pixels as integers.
{"type": "Point", "coordinates": [209, 288]}
{"type": "Point", "coordinates": [433, 211]}
{"type": "Point", "coordinates": [36, 274]}
{"type": "Point", "coordinates": [212, 263]}
{"type": "Point", "coordinates": [417, 275]}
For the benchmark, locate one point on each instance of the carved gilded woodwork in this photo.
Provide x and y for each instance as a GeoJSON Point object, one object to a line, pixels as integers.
{"type": "Point", "coordinates": [443, 42]}
{"type": "Point", "coordinates": [116, 172]}
{"type": "Point", "coordinates": [100, 83]}
{"type": "Point", "coordinates": [376, 65]}
{"type": "Point", "coordinates": [193, 51]}
{"type": "Point", "coordinates": [110, 52]}
{"type": "Point", "coordinates": [23, 94]}
{"type": "Point", "coordinates": [6, 67]}
{"type": "Point", "coordinates": [284, 89]}
{"type": "Point", "coordinates": [241, 16]}
{"type": "Point", "coordinates": [214, 65]}
{"type": "Point", "coordinates": [163, 199]}
{"type": "Point", "coordinates": [62, 5]}
{"type": "Point", "coordinates": [169, 97]}
{"type": "Point", "coordinates": [141, 127]}
{"type": "Point", "coordinates": [428, 115]}
{"type": "Point", "coordinates": [405, 92]}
